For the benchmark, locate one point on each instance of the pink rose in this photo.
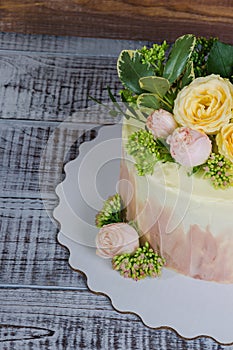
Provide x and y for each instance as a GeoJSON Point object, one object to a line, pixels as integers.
{"type": "Point", "coordinates": [189, 147]}
{"type": "Point", "coordinates": [115, 239]}
{"type": "Point", "coordinates": [161, 123]}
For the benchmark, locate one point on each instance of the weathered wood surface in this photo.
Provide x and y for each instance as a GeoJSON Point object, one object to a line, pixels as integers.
{"type": "Point", "coordinates": [51, 88]}
{"type": "Point", "coordinates": [65, 319]}
{"type": "Point", "coordinates": [43, 303]}
{"type": "Point", "coordinates": [135, 19]}
{"type": "Point", "coordinates": [68, 45]}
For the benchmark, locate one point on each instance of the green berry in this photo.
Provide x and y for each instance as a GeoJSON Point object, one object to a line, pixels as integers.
{"type": "Point", "coordinates": [135, 267]}
{"type": "Point", "coordinates": [111, 212]}
{"type": "Point", "coordinates": [219, 170]}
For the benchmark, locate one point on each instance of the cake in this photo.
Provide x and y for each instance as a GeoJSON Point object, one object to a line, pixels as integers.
{"type": "Point", "coordinates": [175, 199]}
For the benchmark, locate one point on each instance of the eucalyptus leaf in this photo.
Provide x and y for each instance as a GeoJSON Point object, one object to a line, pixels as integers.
{"type": "Point", "coordinates": [220, 60]}
{"type": "Point", "coordinates": [157, 85]}
{"type": "Point", "coordinates": [179, 57]}
{"type": "Point", "coordinates": [149, 101]}
{"type": "Point", "coordinates": [131, 69]}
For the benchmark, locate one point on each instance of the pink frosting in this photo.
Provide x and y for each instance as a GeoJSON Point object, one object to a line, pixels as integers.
{"type": "Point", "coordinates": [194, 251]}
{"type": "Point", "coordinates": [161, 123]}
{"type": "Point", "coordinates": [115, 239]}
{"type": "Point", "coordinates": [189, 147]}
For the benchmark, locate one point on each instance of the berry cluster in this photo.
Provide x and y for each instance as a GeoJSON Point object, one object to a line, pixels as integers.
{"type": "Point", "coordinates": [219, 170]}
{"type": "Point", "coordinates": [144, 262]}
{"type": "Point", "coordinates": [112, 211]}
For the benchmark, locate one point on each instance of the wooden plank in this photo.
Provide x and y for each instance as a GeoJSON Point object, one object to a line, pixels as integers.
{"type": "Point", "coordinates": [30, 254]}
{"type": "Point", "coordinates": [57, 319]}
{"type": "Point", "coordinates": [51, 88]}
{"type": "Point", "coordinates": [66, 45]}
{"type": "Point", "coordinates": [148, 20]}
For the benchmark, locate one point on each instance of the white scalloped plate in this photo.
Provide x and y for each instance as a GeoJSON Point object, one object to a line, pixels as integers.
{"type": "Point", "coordinates": [190, 307]}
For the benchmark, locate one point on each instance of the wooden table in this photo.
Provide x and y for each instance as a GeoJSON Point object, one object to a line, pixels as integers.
{"type": "Point", "coordinates": [44, 303]}
{"type": "Point", "coordinates": [121, 19]}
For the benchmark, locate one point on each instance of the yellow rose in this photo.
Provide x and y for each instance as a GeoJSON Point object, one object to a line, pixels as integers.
{"type": "Point", "coordinates": [206, 104]}
{"type": "Point", "coordinates": [224, 140]}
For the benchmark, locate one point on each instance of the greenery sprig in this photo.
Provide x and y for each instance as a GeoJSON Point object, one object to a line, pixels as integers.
{"type": "Point", "coordinates": [128, 97]}
{"type": "Point", "coordinates": [142, 147]}
{"type": "Point", "coordinates": [200, 55]}
{"type": "Point", "coordinates": [146, 151]}
{"type": "Point", "coordinates": [188, 57]}
{"type": "Point", "coordinates": [144, 262]}
{"type": "Point", "coordinates": [155, 56]}
{"type": "Point", "coordinates": [113, 211]}
{"type": "Point", "coordinates": [219, 170]}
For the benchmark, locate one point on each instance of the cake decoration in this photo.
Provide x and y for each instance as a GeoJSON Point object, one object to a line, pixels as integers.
{"type": "Point", "coordinates": [115, 239]}
{"type": "Point", "coordinates": [180, 100]}
{"type": "Point", "coordinates": [112, 211]}
{"type": "Point", "coordinates": [119, 241]}
{"type": "Point", "coordinates": [219, 170]}
{"type": "Point", "coordinates": [144, 262]}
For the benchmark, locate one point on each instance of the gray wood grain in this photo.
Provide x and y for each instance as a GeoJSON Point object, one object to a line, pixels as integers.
{"type": "Point", "coordinates": [43, 303]}
{"type": "Point", "coordinates": [59, 82]}
{"type": "Point", "coordinates": [30, 254]}
{"type": "Point", "coordinates": [68, 45]}
{"type": "Point", "coordinates": [67, 319]}
{"type": "Point", "coordinates": [52, 88]}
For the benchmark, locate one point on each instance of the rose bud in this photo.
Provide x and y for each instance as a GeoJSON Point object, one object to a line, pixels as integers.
{"type": "Point", "coordinates": [115, 239]}
{"type": "Point", "coordinates": [161, 123]}
{"type": "Point", "coordinates": [189, 147]}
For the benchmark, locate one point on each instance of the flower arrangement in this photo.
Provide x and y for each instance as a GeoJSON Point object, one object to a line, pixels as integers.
{"type": "Point", "coordinates": [184, 92]}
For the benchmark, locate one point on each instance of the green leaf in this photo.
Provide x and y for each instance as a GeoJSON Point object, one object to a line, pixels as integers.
{"type": "Point", "coordinates": [156, 85]}
{"type": "Point", "coordinates": [113, 99]}
{"type": "Point", "coordinates": [220, 60]}
{"type": "Point", "coordinates": [188, 75]}
{"type": "Point", "coordinates": [131, 69]}
{"type": "Point", "coordinates": [179, 57]}
{"type": "Point", "coordinates": [149, 101]}
{"type": "Point", "coordinates": [112, 112]}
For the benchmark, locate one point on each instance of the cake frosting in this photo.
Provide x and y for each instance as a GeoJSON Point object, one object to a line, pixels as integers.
{"type": "Point", "coordinates": [183, 217]}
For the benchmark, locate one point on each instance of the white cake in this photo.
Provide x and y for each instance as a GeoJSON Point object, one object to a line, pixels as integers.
{"type": "Point", "coordinates": [183, 217]}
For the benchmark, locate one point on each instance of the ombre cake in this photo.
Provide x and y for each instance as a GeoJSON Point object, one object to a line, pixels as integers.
{"type": "Point", "coordinates": [184, 217]}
